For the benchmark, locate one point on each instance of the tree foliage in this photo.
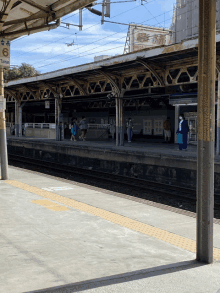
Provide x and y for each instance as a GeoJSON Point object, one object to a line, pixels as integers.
{"type": "Point", "coordinates": [25, 70]}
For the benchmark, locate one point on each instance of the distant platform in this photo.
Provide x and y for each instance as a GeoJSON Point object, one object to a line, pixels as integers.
{"type": "Point", "coordinates": [159, 162]}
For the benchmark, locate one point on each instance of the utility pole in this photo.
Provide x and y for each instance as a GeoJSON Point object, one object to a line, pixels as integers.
{"type": "Point", "coordinates": [206, 129]}
{"type": "Point", "coordinates": [3, 140]}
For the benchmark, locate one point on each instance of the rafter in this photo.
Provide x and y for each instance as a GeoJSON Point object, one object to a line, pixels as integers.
{"type": "Point", "coordinates": [49, 87]}
{"type": "Point", "coordinates": [76, 83]}
{"type": "Point", "coordinates": [30, 91]}
{"type": "Point", "coordinates": [152, 70]}
{"type": "Point", "coordinates": [5, 12]}
{"type": "Point", "coordinates": [38, 6]}
{"type": "Point", "coordinates": [11, 93]}
{"type": "Point", "coordinates": [113, 83]}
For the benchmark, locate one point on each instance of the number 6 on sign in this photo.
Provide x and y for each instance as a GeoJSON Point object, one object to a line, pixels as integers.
{"type": "Point", "coordinates": [5, 53]}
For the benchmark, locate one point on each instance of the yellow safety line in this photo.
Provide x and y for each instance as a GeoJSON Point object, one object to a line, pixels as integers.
{"type": "Point", "coordinates": [176, 240]}
{"type": "Point", "coordinates": [50, 205]}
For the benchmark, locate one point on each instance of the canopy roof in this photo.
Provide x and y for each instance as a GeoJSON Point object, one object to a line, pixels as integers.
{"type": "Point", "coordinates": [24, 17]}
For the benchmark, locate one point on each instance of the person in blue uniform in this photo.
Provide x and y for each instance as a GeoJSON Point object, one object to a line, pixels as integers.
{"type": "Point", "coordinates": [183, 129]}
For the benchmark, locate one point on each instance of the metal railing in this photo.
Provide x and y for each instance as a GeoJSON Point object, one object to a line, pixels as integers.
{"type": "Point", "coordinates": [99, 126]}
{"type": "Point", "coordinates": [9, 124]}
{"type": "Point", "coordinates": [40, 125]}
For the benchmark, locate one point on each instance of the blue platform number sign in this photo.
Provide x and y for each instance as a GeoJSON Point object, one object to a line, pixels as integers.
{"type": "Point", "coordinates": [4, 53]}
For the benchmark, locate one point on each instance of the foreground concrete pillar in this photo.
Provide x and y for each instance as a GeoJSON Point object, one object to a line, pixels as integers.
{"type": "Point", "coordinates": [206, 129]}
{"type": "Point", "coordinates": [218, 118]}
{"type": "Point", "coordinates": [177, 113]}
{"type": "Point", "coordinates": [3, 139]}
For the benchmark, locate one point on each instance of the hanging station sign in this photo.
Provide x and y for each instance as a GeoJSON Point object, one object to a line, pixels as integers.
{"type": "Point", "coordinates": [5, 52]}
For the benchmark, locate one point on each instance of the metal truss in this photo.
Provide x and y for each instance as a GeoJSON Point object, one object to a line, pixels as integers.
{"type": "Point", "coordinates": [141, 75]}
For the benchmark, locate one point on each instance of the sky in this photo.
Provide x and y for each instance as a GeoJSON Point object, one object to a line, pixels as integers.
{"type": "Point", "coordinates": [48, 51]}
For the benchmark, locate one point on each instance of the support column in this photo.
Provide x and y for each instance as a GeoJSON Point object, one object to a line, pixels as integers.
{"type": "Point", "coordinates": [117, 120]}
{"type": "Point", "coordinates": [3, 139]}
{"type": "Point", "coordinates": [177, 113]}
{"type": "Point", "coordinates": [218, 118]}
{"type": "Point", "coordinates": [57, 118]}
{"type": "Point", "coordinates": [20, 121]}
{"type": "Point", "coordinates": [16, 118]}
{"type": "Point", "coordinates": [121, 115]}
{"type": "Point", "coordinates": [206, 129]}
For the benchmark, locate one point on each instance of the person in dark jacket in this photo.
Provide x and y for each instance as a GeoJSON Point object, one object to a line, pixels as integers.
{"type": "Point", "coordinates": [183, 129]}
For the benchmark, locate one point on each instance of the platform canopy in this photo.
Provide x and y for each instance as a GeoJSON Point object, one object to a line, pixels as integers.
{"type": "Point", "coordinates": [25, 17]}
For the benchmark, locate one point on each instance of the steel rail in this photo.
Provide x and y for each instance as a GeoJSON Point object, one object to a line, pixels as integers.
{"type": "Point", "coordinates": [152, 188]}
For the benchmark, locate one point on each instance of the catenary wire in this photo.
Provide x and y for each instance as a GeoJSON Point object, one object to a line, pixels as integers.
{"type": "Point", "coordinates": [79, 56]}
{"type": "Point", "coordinates": [63, 60]}
{"type": "Point", "coordinates": [75, 33]}
{"type": "Point", "coordinates": [89, 43]}
{"type": "Point", "coordinates": [83, 31]}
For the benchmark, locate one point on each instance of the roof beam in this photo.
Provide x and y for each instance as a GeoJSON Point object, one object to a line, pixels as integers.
{"type": "Point", "coordinates": [38, 6]}
{"type": "Point", "coordinates": [5, 12]}
{"type": "Point", "coordinates": [11, 93]}
{"type": "Point", "coordinates": [30, 91]}
{"type": "Point", "coordinates": [49, 87]}
{"type": "Point", "coordinates": [63, 11]}
{"type": "Point", "coordinates": [113, 83]}
{"type": "Point", "coordinates": [152, 70]}
{"type": "Point", "coordinates": [76, 83]}
{"type": "Point", "coordinates": [25, 19]}
{"type": "Point", "coordinates": [28, 31]}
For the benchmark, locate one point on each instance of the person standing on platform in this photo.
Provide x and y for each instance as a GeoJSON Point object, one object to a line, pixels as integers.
{"type": "Point", "coordinates": [74, 130]}
{"type": "Point", "coordinates": [112, 130]}
{"type": "Point", "coordinates": [182, 131]}
{"type": "Point", "coordinates": [129, 129]}
{"type": "Point", "coordinates": [83, 126]}
{"type": "Point", "coordinates": [167, 129]}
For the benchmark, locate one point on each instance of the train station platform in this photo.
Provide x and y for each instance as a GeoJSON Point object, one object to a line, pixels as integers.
{"type": "Point", "coordinates": [158, 162]}
{"type": "Point", "coordinates": [63, 236]}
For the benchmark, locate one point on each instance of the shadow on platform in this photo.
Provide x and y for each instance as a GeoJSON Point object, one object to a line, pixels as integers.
{"type": "Point", "coordinates": [122, 278]}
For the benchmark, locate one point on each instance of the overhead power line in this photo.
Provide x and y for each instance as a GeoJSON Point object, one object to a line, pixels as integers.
{"type": "Point", "coordinates": [75, 57]}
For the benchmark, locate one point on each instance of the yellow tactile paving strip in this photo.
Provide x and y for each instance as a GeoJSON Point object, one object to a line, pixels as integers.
{"type": "Point", "coordinates": [176, 240]}
{"type": "Point", "coordinates": [50, 205]}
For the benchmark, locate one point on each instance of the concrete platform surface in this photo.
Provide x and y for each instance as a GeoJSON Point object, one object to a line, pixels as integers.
{"type": "Point", "coordinates": [62, 236]}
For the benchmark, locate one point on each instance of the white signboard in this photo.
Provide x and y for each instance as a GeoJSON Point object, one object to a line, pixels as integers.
{"type": "Point", "coordinates": [5, 52]}
{"type": "Point", "coordinates": [147, 129]}
{"type": "Point", "coordinates": [147, 37]}
{"type": "Point", "coordinates": [158, 127]}
{"type": "Point", "coordinates": [2, 104]}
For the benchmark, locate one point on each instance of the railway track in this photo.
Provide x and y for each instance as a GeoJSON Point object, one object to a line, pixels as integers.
{"type": "Point", "coordinates": [143, 186]}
